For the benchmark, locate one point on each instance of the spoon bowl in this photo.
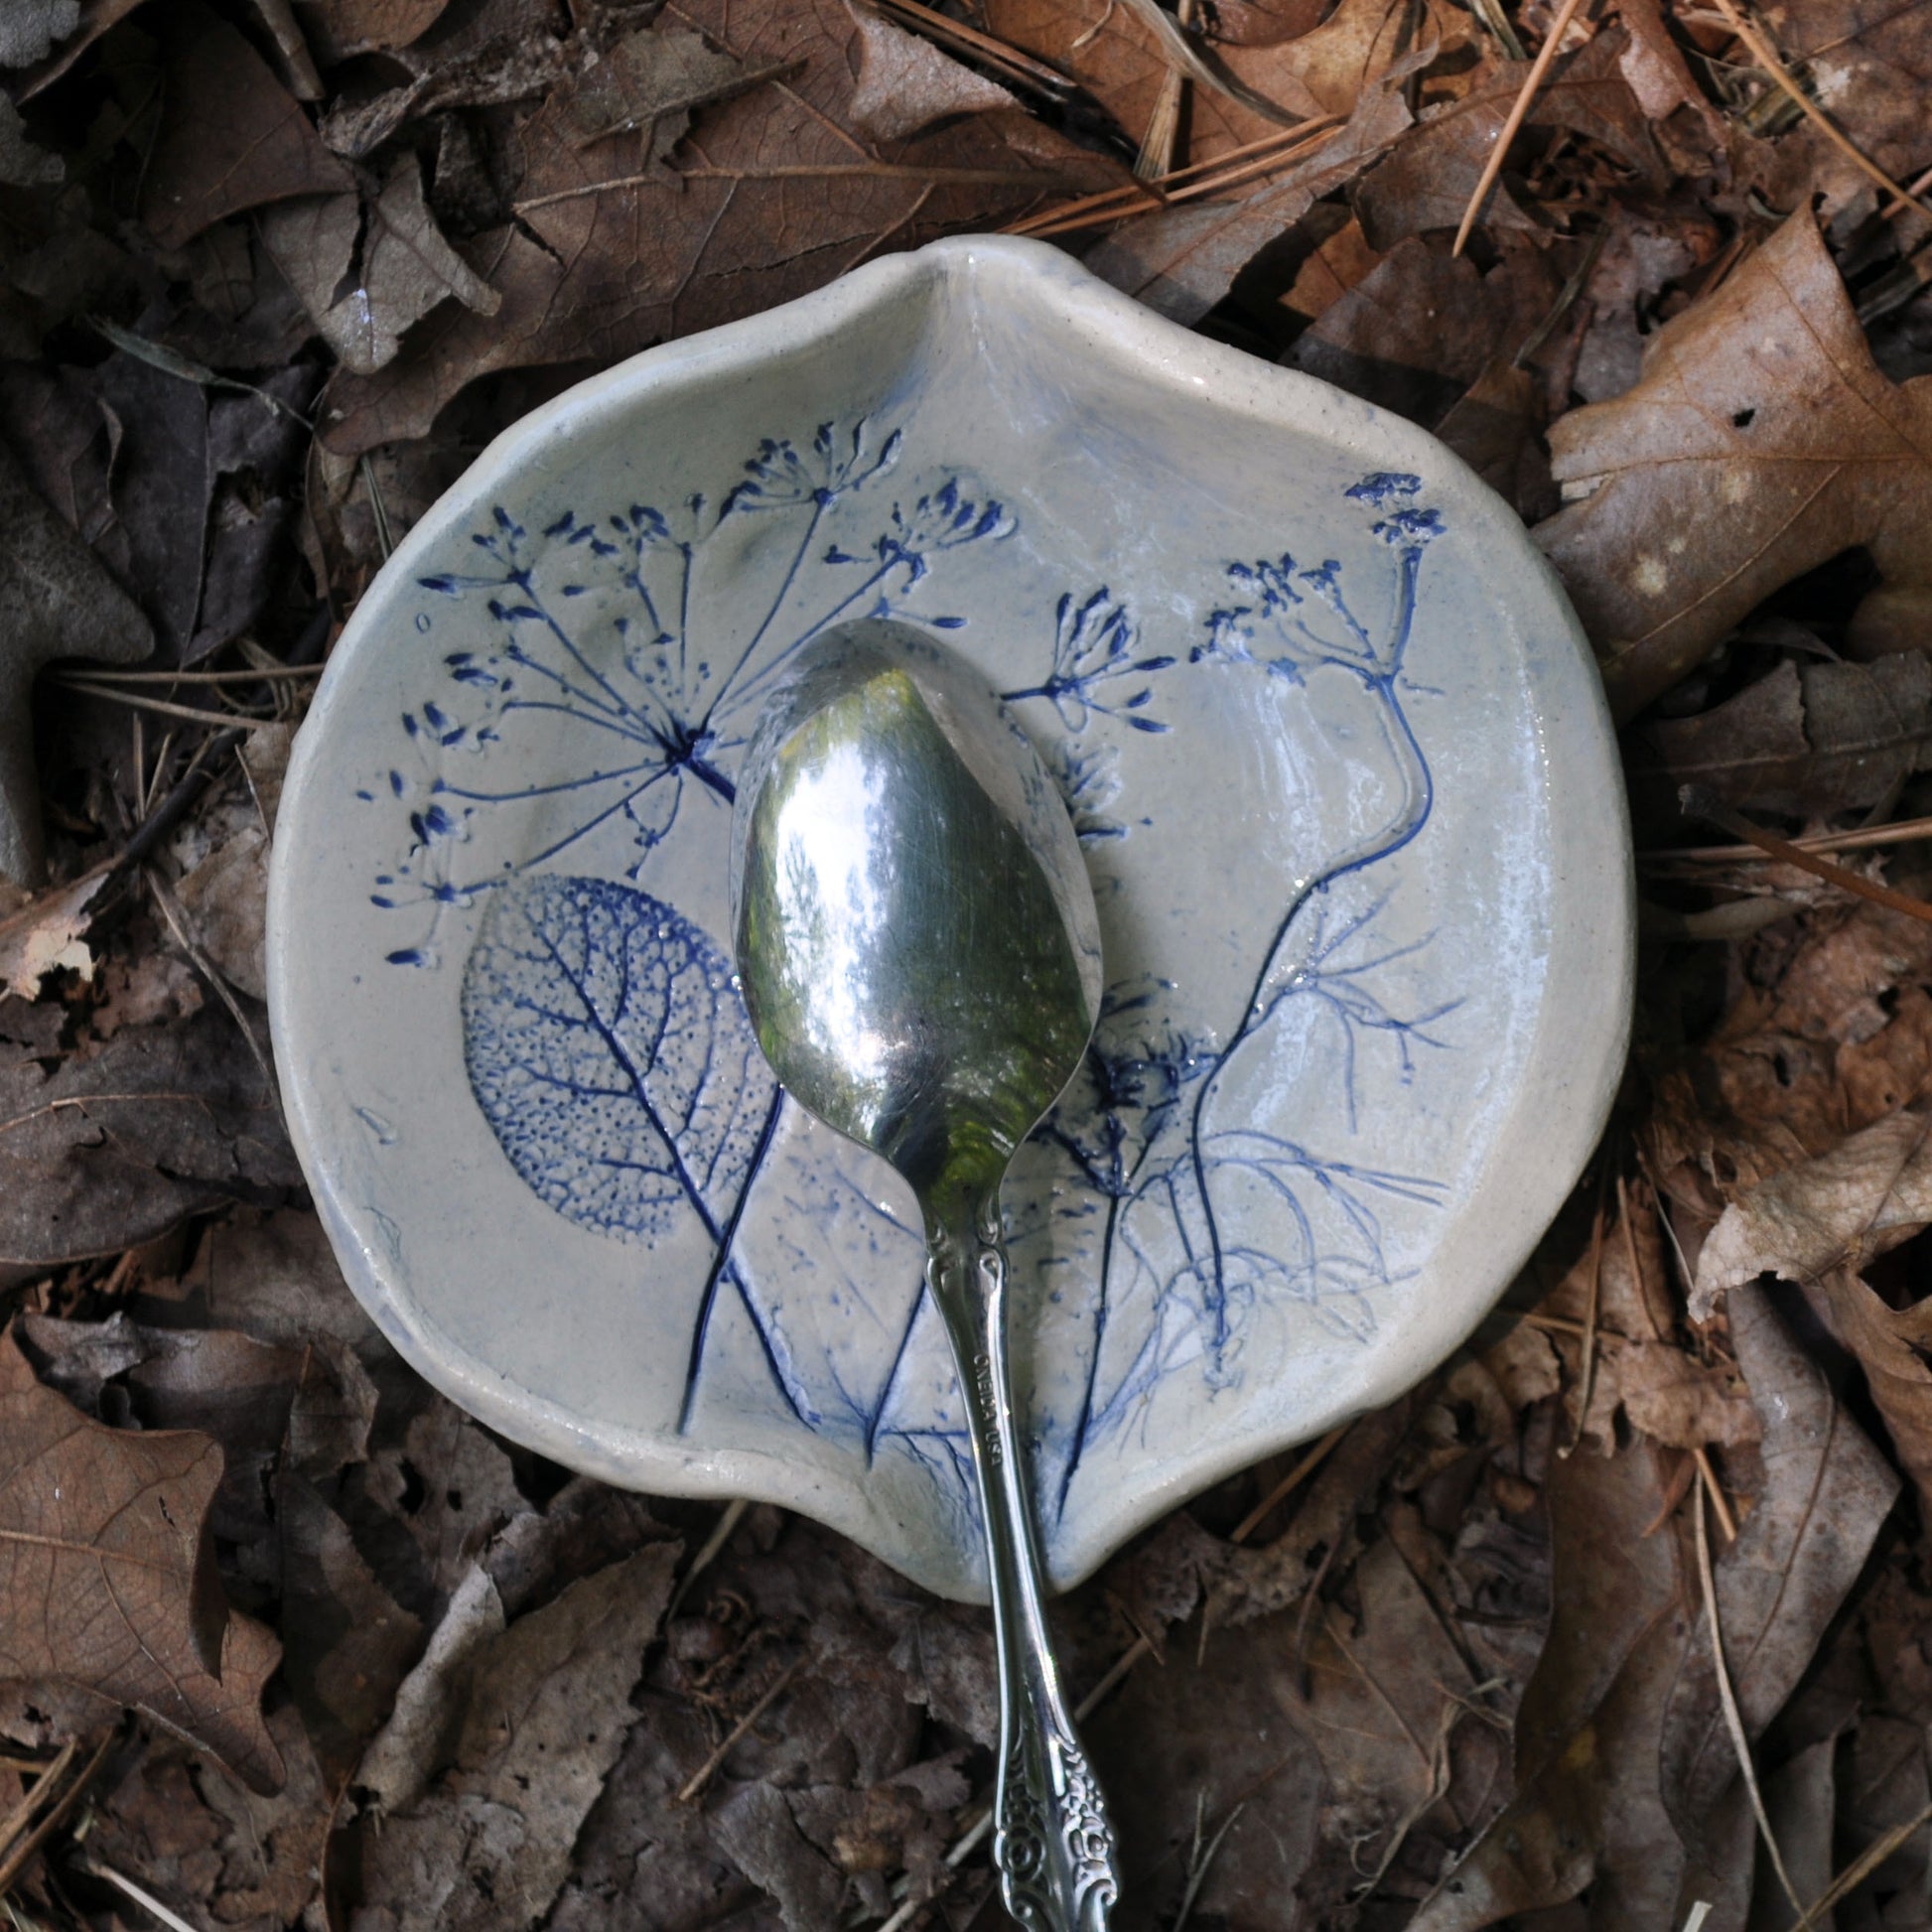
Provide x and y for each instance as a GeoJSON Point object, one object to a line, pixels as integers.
{"type": "Point", "coordinates": [920, 955]}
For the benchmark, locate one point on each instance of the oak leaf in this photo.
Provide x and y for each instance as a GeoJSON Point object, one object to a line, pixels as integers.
{"type": "Point", "coordinates": [106, 1576]}
{"type": "Point", "coordinates": [1761, 441]}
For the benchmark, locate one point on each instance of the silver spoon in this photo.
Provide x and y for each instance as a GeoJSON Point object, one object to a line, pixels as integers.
{"type": "Point", "coordinates": [920, 956]}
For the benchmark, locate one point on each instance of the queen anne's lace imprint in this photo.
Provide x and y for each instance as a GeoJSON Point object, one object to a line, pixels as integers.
{"type": "Point", "coordinates": [595, 670]}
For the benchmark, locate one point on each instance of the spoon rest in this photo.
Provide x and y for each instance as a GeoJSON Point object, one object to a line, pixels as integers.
{"type": "Point", "coordinates": [1347, 793]}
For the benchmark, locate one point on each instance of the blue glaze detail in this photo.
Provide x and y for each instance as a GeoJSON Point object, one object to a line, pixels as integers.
{"type": "Point", "coordinates": [1292, 619]}
{"type": "Point", "coordinates": [610, 1054]}
{"type": "Point", "coordinates": [615, 1064]}
{"type": "Point", "coordinates": [663, 715]}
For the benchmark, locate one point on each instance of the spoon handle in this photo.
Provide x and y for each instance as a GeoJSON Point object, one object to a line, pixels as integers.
{"type": "Point", "coordinates": [1053, 1843]}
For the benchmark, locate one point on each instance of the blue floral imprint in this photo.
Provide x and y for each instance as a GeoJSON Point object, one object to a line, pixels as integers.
{"type": "Point", "coordinates": [610, 1052]}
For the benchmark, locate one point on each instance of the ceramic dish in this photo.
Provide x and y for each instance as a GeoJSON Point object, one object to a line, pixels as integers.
{"type": "Point", "coordinates": [1343, 778]}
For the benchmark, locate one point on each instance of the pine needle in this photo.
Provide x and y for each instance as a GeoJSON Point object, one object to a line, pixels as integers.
{"type": "Point", "coordinates": [1762, 52]}
{"type": "Point", "coordinates": [1698, 805]}
{"type": "Point", "coordinates": [1734, 1721]}
{"type": "Point", "coordinates": [1532, 82]}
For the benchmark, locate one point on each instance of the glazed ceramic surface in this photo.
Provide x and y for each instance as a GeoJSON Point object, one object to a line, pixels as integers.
{"type": "Point", "coordinates": [1344, 784]}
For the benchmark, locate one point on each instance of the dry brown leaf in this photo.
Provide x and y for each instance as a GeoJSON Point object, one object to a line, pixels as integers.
{"type": "Point", "coordinates": [1871, 65]}
{"type": "Point", "coordinates": [366, 272]}
{"type": "Point", "coordinates": [451, 1485]}
{"type": "Point", "coordinates": [61, 603]}
{"type": "Point", "coordinates": [232, 137]}
{"type": "Point", "coordinates": [1258, 1583]}
{"type": "Point", "coordinates": [1889, 1344]}
{"type": "Point", "coordinates": [213, 1381]}
{"type": "Point", "coordinates": [601, 274]}
{"type": "Point", "coordinates": [1333, 266]}
{"type": "Point", "coordinates": [1494, 426]}
{"type": "Point", "coordinates": [1422, 328]}
{"type": "Point", "coordinates": [1761, 441]}
{"type": "Point", "coordinates": [1820, 1226]}
{"type": "Point", "coordinates": [488, 1843]}
{"type": "Point", "coordinates": [1117, 59]}
{"type": "Point", "coordinates": [1428, 180]}
{"type": "Point", "coordinates": [757, 1830]}
{"type": "Point", "coordinates": [1640, 255]}
{"type": "Point", "coordinates": [906, 84]}
{"type": "Point", "coordinates": [1657, 72]}
{"type": "Point", "coordinates": [1261, 23]}
{"type": "Point", "coordinates": [275, 1277]}
{"type": "Point", "coordinates": [1835, 1035]}
{"type": "Point", "coordinates": [1824, 1497]}
{"type": "Point", "coordinates": [429, 1701]}
{"type": "Point", "coordinates": [1377, 1697]}
{"type": "Point", "coordinates": [489, 70]}
{"type": "Point", "coordinates": [1841, 1211]}
{"type": "Point", "coordinates": [1166, 1745]}
{"type": "Point", "coordinates": [226, 898]}
{"type": "Point", "coordinates": [49, 935]}
{"type": "Point", "coordinates": [341, 29]}
{"type": "Point", "coordinates": [348, 1642]}
{"type": "Point", "coordinates": [206, 1844]}
{"type": "Point", "coordinates": [1180, 262]}
{"type": "Point", "coordinates": [113, 1151]}
{"type": "Point", "coordinates": [1359, 45]}
{"type": "Point", "coordinates": [651, 83]}
{"type": "Point", "coordinates": [106, 1586]}
{"type": "Point", "coordinates": [1592, 1705]}
{"type": "Point", "coordinates": [1675, 1399]}
{"type": "Point", "coordinates": [1322, 69]}
{"type": "Point", "coordinates": [1626, 1778]}
{"type": "Point", "coordinates": [1818, 738]}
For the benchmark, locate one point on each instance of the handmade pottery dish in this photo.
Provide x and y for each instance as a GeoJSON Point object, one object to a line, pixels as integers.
{"type": "Point", "coordinates": [1347, 794]}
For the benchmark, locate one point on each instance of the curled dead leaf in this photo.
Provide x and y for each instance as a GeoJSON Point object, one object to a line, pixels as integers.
{"type": "Point", "coordinates": [540, 1720]}
{"type": "Point", "coordinates": [1841, 1211]}
{"type": "Point", "coordinates": [366, 273]}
